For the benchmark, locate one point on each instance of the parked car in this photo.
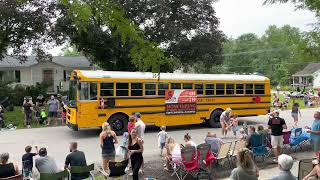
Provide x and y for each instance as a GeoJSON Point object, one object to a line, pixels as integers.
{"type": "Point", "coordinates": [6, 104]}
{"type": "Point", "coordinates": [296, 95]}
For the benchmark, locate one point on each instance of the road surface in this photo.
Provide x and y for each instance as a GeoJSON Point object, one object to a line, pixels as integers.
{"type": "Point", "coordinates": [56, 139]}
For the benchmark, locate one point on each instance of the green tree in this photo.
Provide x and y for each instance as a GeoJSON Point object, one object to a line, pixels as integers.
{"type": "Point", "coordinates": [24, 23]}
{"type": "Point", "coordinates": [70, 51]}
{"type": "Point", "coordinates": [313, 5]}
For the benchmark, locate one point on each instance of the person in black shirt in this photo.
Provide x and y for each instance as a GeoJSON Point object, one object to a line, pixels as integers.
{"type": "Point", "coordinates": [27, 161]}
{"type": "Point", "coordinates": [276, 124]}
{"type": "Point", "coordinates": [7, 169]}
{"type": "Point", "coordinates": [76, 158]}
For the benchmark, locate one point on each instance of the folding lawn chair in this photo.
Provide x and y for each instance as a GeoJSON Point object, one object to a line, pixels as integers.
{"type": "Point", "coordinates": [85, 171]}
{"type": "Point", "coordinates": [57, 176]}
{"type": "Point", "coordinates": [190, 164]}
{"type": "Point", "coordinates": [204, 155]}
{"type": "Point", "coordinates": [16, 177]}
{"type": "Point", "coordinates": [223, 153]}
{"type": "Point", "coordinates": [257, 146]}
{"type": "Point", "coordinates": [286, 140]}
{"type": "Point", "coordinates": [305, 167]}
{"type": "Point", "coordinates": [238, 145]}
{"type": "Point", "coordinates": [117, 170]}
{"type": "Point", "coordinates": [297, 139]}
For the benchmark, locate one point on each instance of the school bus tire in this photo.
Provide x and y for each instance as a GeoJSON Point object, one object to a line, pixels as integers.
{"type": "Point", "coordinates": [214, 120]}
{"type": "Point", "coordinates": [118, 123]}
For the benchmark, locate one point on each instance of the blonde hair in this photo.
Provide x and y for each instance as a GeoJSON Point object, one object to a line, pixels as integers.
{"type": "Point", "coordinates": [106, 127]}
{"type": "Point", "coordinates": [245, 158]}
{"type": "Point", "coordinates": [170, 143]}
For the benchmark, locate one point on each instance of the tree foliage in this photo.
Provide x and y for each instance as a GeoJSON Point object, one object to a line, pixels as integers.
{"type": "Point", "coordinates": [187, 29]}
{"type": "Point", "coordinates": [70, 51]}
{"type": "Point", "coordinates": [278, 54]}
{"type": "Point", "coordinates": [24, 23]}
{"type": "Point", "coordinates": [313, 5]}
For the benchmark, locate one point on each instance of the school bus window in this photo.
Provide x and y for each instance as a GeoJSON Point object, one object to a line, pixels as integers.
{"type": "Point", "coordinates": [88, 91]}
{"type": "Point", "coordinates": [259, 89]}
{"type": "Point", "coordinates": [150, 89]}
{"type": "Point", "coordinates": [209, 89]}
{"type": "Point", "coordinates": [219, 89]}
{"type": "Point", "coordinates": [136, 89]}
{"type": "Point", "coordinates": [199, 89]}
{"type": "Point", "coordinates": [162, 87]}
{"type": "Point", "coordinates": [187, 85]}
{"type": "Point", "coordinates": [249, 88]}
{"type": "Point", "coordinates": [230, 89]}
{"type": "Point", "coordinates": [106, 89]}
{"type": "Point", "coordinates": [239, 88]}
{"type": "Point", "coordinates": [122, 89]}
{"type": "Point", "coordinates": [175, 85]}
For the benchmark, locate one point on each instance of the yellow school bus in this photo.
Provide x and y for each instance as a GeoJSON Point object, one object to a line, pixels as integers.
{"type": "Point", "coordinates": [99, 96]}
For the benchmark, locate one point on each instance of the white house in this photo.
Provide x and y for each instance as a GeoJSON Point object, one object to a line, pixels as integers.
{"type": "Point", "coordinates": [308, 77]}
{"type": "Point", "coordinates": [31, 72]}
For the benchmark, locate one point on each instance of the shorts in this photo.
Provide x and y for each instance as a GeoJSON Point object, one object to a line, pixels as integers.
{"type": "Point", "coordinates": [316, 145]}
{"type": "Point", "coordinates": [26, 173]}
{"type": "Point", "coordinates": [52, 114]}
{"type": "Point", "coordinates": [276, 141]}
{"type": "Point", "coordinates": [294, 115]}
{"type": "Point", "coordinates": [109, 156]}
{"type": "Point", "coordinates": [162, 145]}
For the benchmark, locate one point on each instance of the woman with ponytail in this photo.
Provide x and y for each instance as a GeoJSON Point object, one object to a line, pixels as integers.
{"type": "Point", "coordinates": [107, 140]}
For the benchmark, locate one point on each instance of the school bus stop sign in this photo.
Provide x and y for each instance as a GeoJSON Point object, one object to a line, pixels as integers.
{"type": "Point", "coordinates": [181, 101]}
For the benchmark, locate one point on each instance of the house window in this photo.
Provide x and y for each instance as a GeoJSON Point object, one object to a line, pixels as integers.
{"type": "Point", "coordinates": [17, 76]}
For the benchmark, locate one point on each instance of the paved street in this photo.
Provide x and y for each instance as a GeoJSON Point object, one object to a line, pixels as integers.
{"type": "Point", "coordinates": [56, 139]}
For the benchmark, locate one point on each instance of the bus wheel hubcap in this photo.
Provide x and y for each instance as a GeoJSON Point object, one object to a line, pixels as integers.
{"type": "Point", "coordinates": [118, 124]}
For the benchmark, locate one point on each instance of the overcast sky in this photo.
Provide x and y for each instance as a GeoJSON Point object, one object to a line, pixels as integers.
{"type": "Point", "coordinates": [244, 16]}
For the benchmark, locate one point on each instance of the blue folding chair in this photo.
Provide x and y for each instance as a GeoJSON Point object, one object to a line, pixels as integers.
{"type": "Point", "coordinates": [258, 147]}
{"type": "Point", "coordinates": [297, 138]}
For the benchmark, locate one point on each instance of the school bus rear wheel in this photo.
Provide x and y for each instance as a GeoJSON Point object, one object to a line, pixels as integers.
{"type": "Point", "coordinates": [118, 123]}
{"type": "Point", "coordinates": [214, 120]}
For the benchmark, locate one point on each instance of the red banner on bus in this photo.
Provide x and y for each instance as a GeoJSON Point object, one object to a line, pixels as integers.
{"type": "Point", "coordinates": [181, 101]}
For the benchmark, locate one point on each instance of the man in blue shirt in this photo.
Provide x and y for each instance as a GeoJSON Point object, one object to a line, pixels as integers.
{"type": "Point", "coordinates": [315, 132]}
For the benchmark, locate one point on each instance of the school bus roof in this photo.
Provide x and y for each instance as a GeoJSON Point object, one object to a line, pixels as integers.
{"type": "Point", "coordinates": [167, 76]}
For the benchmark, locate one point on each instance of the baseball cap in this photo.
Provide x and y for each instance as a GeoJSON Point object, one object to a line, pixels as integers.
{"type": "Point", "coordinates": [137, 114]}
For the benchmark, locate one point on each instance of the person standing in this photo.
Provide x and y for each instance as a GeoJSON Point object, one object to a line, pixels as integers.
{"type": "Point", "coordinates": [135, 150]}
{"type": "Point", "coordinates": [27, 161]}
{"type": "Point", "coordinates": [139, 125]}
{"type": "Point", "coordinates": [295, 113]}
{"type": "Point", "coordinates": [76, 158]}
{"type": "Point", "coordinates": [162, 138]}
{"type": "Point", "coordinates": [276, 124]}
{"type": "Point", "coordinates": [224, 121]}
{"type": "Point", "coordinates": [1, 118]}
{"type": "Point", "coordinates": [131, 124]}
{"type": "Point", "coordinates": [315, 132]}
{"type": "Point", "coordinates": [53, 104]}
{"type": "Point", "coordinates": [27, 106]}
{"type": "Point", "coordinates": [45, 163]}
{"type": "Point", "coordinates": [107, 140]}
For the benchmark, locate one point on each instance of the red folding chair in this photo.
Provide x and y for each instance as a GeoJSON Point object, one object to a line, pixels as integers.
{"type": "Point", "coordinates": [205, 155]}
{"type": "Point", "coordinates": [190, 164]}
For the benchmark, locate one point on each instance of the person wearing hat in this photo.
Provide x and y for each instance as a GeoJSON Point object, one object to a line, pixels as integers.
{"type": "Point", "coordinates": [315, 132]}
{"type": "Point", "coordinates": [276, 124]}
{"type": "Point", "coordinates": [139, 125]}
{"type": "Point", "coordinates": [285, 164]}
{"type": "Point", "coordinates": [45, 163]}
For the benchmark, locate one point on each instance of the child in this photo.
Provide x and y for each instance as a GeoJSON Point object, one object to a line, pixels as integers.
{"type": "Point", "coordinates": [63, 112]}
{"type": "Point", "coordinates": [234, 124]}
{"type": "Point", "coordinates": [124, 145]}
{"type": "Point", "coordinates": [131, 124]}
{"type": "Point", "coordinates": [43, 117]}
{"type": "Point", "coordinates": [162, 138]}
{"type": "Point", "coordinates": [27, 161]}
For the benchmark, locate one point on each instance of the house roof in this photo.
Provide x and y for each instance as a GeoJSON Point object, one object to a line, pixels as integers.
{"type": "Point", "coordinates": [71, 62]}
{"type": "Point", "coordinates": [308, 70]}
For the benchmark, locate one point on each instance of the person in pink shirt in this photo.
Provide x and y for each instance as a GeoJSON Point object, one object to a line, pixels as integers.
{"type": "Point", "coordinates": [131, 124]}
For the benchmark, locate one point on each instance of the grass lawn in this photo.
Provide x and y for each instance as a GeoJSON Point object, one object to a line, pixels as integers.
{"type": "Point", "coordinates": [298, 100]}
{"type": "Point", "coordinates": [16, 117]}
